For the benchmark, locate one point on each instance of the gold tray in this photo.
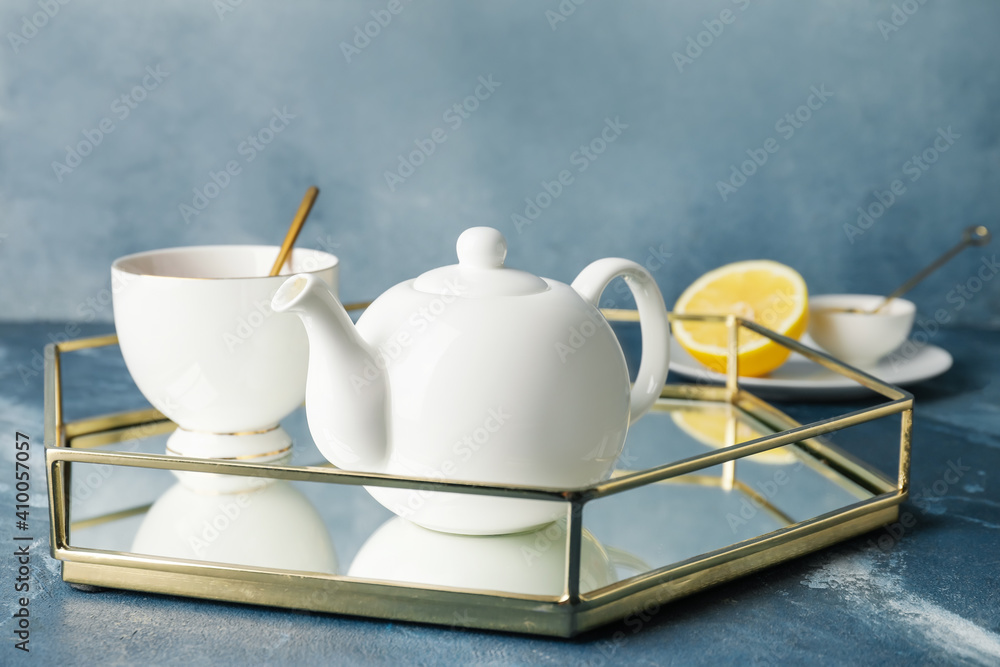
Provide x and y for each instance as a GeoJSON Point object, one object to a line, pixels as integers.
{"type": "Point", "coordinates": [704, 455]}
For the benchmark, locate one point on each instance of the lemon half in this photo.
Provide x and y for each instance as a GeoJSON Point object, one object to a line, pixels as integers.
{"type": "Point", "coordinates": [766, 292]}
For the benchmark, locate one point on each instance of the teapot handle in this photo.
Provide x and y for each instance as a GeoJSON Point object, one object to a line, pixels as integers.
{"type": "Point", "coordinates": [653, 322]}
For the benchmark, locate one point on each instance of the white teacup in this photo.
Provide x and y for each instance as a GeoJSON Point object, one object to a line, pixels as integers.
{"type": "Point", "coordinates": [199, 337]}
{"type": "Point", "coordinates": [859, 338]}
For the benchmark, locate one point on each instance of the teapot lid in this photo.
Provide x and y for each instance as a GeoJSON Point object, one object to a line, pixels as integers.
{"type": "Point", "coordinates": [480, 271]}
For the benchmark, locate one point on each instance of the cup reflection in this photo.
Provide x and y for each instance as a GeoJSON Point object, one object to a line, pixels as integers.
{"type": "Point", "coordinates": [268, 523]}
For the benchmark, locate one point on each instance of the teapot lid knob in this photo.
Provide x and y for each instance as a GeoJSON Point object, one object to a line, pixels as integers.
{"type": "Point", "coordinates": [480, 271]}
{"type": "Point", "coordinates": [481, 248]}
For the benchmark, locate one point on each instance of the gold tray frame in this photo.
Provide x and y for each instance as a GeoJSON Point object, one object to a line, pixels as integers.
{"type": "Point", "coordinates": [565, 615]}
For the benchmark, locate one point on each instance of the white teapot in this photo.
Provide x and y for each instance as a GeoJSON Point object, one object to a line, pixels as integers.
{"type": "Point", "coordinates": [532, 563]}
{"type": "Point", "coordinates": [476, 372]}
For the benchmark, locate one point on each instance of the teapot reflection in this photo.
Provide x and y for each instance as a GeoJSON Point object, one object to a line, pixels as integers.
{"type": "Point", "coordinates": [260, 523]}
{"type": "Point", "coordinates": [530, 563]}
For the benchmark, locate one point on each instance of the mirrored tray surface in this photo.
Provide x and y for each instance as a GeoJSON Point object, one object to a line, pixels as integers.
{"type": "Point", "coordinates": [306, 535]}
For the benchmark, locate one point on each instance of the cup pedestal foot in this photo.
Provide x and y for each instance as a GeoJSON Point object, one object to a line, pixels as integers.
{"type": "Point", "coordinates": [268, 446]}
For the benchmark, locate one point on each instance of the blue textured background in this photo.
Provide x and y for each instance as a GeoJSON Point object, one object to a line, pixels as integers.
{"type": "Point", "coordinates": [652, 193]}
{"type": "Point", "coordinates": [930, 598]}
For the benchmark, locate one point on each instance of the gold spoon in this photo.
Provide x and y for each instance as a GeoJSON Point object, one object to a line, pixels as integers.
{"type": "Point", "coordinates": [977, 235]}
{"type": "Point", "coordinates": [293, 230]}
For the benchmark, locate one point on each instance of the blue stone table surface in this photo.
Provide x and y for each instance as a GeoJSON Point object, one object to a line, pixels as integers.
{"type": "Point", "coordinates": [926, 594]}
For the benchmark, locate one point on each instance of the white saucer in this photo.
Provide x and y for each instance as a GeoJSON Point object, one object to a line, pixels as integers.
{"type": "Point", "coordinates": [801, 380]}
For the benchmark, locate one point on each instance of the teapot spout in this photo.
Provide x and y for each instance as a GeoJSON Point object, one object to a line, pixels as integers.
{"type": "Point", "coordinates": [347, 392]}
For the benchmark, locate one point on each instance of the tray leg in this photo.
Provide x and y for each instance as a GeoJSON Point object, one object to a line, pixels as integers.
{"type": "Point", "coordinates": [87, 588]}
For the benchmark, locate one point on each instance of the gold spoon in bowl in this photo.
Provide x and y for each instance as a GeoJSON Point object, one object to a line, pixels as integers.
{"type": "Point", "coordinates": [293, 230]}
{"type": "Point", "coordinates": [977, 235]}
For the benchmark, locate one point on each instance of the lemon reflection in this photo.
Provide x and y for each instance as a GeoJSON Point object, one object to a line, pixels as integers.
{"type": "Point", "coordinates": [708, 426]}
